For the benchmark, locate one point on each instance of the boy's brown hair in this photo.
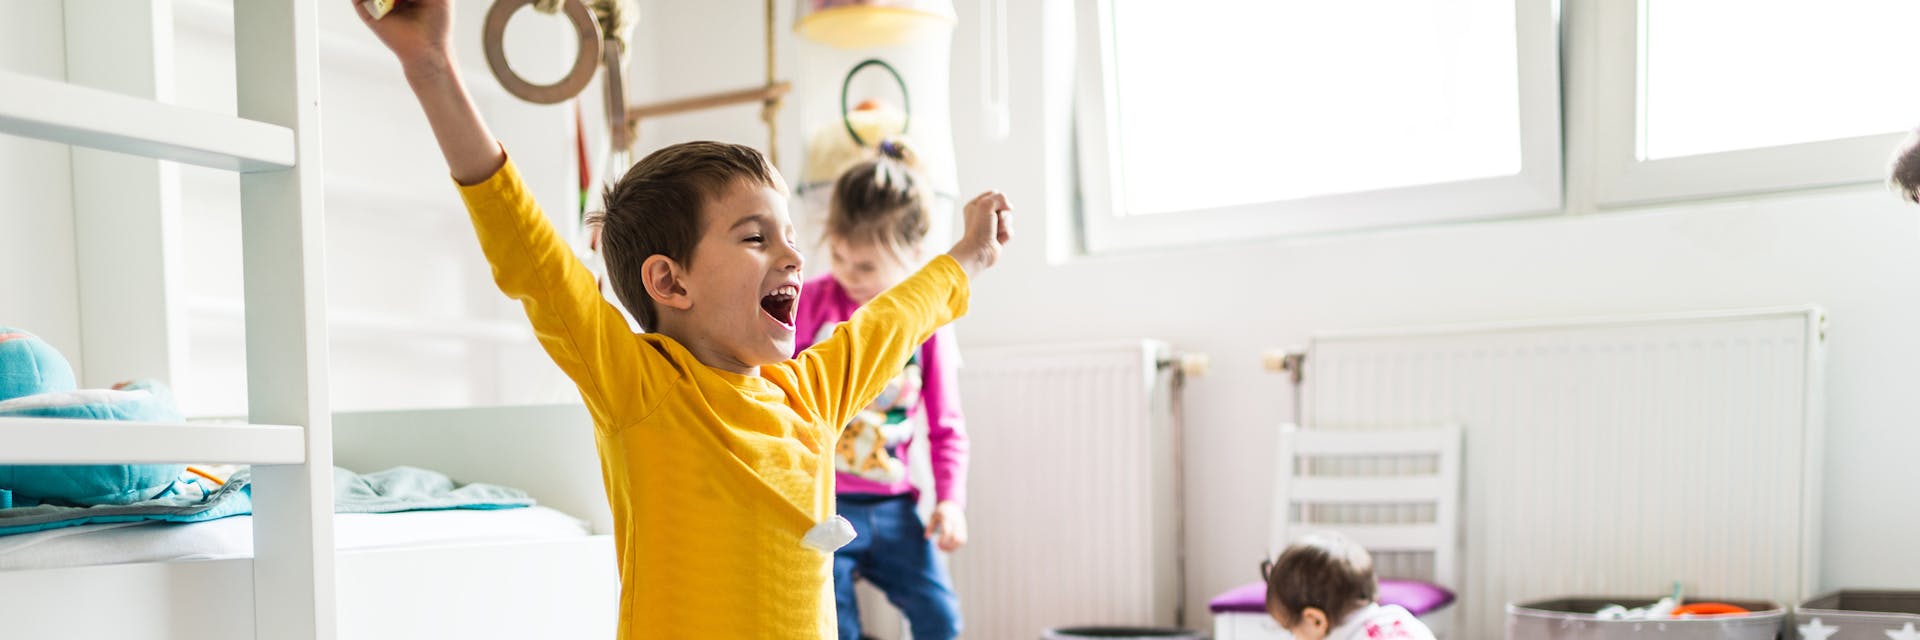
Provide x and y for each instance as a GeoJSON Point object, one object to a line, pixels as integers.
{"type": "Point", "coordinates": [655, 209]}
{"type": "Point", "coordinates": [882, 200]}
{"type": "Point", "coordinates": [1324, 571]}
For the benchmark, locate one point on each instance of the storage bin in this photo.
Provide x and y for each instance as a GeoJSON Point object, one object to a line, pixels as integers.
{"type": "Point", "coordinates": [1857, 614]}
{"type": "Point", "coordinates": [1572, 619]}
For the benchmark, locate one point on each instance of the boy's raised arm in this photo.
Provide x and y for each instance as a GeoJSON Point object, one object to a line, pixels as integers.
{"type": "Point", "coordinates": [584, 335]}
{"type": "Point", "coordinates": [419, 32]}
{"type": "Point", "coordinates": [846, 371]}
{"type": "Point", "coordinates": [987, 228]}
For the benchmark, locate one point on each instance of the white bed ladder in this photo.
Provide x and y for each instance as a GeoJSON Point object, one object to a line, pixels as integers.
{"type": "Point", "coordinates": [275, 144]}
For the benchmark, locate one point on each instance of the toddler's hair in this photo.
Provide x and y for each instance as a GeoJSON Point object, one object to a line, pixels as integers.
{"type": "Point", "coordinates": [882, 200]}
{"type": "Point", "coordinates": [1325, 571]}
{"type": "Point", "coordinates": [655, 209]}
{"type": "Point", "coordinates": [1906, 168]}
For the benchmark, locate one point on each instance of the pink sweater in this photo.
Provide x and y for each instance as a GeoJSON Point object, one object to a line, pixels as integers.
{"type": "Point", "coordinates": [823, 304]}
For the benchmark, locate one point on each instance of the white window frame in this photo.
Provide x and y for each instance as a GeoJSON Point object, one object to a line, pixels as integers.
{"type": "Point", "coordinates": [1535, 190]}
{"type": "Point", "coordinates": [1623, 178]}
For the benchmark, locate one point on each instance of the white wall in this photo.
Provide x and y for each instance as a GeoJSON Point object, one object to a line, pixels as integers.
{"type": "Point", "coordinates": [1855, 251]}
{"type": "Point", "coordinates": [401, 260]}
{"type": "Point", "coordinates": [38, 272]}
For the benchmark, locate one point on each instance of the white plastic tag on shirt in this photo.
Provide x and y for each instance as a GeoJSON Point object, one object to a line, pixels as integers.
{"type": "Point", "coordinates": [829, 536]}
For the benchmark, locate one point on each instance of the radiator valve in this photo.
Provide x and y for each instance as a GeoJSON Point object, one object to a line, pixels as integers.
{"type": "Point", "coordinates": [1288, 361]}
{"type": "Point", "coordinates": [1191, 365]}
{"type": "Point", "coordinates": [1194, 365]}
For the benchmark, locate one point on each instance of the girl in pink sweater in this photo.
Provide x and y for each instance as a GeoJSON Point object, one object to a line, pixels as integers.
{"type": "Point", "coordinates": [876, 224]}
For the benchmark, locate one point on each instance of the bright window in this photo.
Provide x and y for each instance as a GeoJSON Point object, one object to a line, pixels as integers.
{"type": "Point", "coordinates": [1707, 98]}
{"type": "Point", "coordinates": [1214, 119]}
{"type": "Point", "coordinates": [1722, 75]}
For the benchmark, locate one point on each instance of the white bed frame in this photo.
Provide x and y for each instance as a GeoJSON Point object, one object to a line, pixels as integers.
{"type": "Point", "coordinates": [563, 588]}
{"type": "Point", "coordinates": [112, 109]}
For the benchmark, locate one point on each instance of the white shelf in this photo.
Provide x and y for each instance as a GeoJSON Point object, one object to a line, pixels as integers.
{"type": "Point", "coordinates": [53, 441]}
{"type": "Point", "coordinates": [60, 112]}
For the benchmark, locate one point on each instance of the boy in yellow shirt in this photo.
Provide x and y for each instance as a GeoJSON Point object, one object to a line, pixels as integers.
{"type": "Point", "coordinates": [714, 445]}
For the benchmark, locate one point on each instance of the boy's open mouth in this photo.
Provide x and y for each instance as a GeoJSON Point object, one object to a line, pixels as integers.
{"type": "Point", "coordinates": [780, 304]}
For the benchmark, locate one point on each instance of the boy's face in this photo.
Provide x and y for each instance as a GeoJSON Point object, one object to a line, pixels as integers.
{"type": "Point", "coordinates": [744, 283]}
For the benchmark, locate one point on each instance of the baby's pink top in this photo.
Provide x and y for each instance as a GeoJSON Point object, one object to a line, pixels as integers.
{"type": "Point", "coordinates": [1380, 622]}
{"type": "Point", "coordinates": [823, 304]}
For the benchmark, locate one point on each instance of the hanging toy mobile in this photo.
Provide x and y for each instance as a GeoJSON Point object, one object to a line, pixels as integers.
{"type": "Point", "coordinates": [872, 72]}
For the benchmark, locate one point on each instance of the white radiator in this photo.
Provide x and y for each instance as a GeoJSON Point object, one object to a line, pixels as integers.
{"type": "Point", "coordinates": [1610, 457]}
{"type": "Point", "coordinates": [1071, 507]}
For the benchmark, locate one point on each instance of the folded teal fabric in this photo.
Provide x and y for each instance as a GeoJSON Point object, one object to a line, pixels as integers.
{"type": "Point", "coordinates": [192, 500]}
{"type": "Point", "coordinates": [188, 500]}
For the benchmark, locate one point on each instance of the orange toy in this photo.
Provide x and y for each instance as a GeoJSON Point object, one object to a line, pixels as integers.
{"type": "Point", "coordinates": [1709, 609]}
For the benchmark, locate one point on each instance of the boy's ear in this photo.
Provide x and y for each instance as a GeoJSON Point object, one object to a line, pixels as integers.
{"type": "Point", "coordinates": [663, 280]}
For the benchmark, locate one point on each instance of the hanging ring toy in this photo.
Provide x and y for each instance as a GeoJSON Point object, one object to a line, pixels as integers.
{"type": "Point", "coordinates": [586, 28]}
{"type": "Point", "coordinates": [846, 86]}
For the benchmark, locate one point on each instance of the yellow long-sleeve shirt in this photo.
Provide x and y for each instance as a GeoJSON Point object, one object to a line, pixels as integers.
{"type": "Point", "coordinates": [713, 477]}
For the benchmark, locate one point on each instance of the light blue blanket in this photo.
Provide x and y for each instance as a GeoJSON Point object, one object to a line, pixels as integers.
{"type": "Point", "coordinates": [190, 500]}
{"type": "Point", "coordinates": [413, 489]}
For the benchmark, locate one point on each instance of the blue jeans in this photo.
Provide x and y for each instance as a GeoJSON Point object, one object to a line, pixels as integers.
{"type": "Point", "coordinates": [894, 554]}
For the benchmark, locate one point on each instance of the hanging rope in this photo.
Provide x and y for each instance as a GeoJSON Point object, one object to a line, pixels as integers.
{"type": "Point", "coordinates": [617, 20]}
{"type": "Point", "coordinates": [770, 110]}
{"type": "Point", "coordinates": [616, 17]}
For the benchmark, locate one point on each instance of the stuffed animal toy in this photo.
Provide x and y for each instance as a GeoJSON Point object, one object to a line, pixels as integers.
{"type": "Point", "coordinates": [37, 382]}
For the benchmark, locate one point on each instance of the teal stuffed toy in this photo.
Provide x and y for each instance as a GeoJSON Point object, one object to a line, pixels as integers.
{"type": "Point", "coordinates": [37, 382]}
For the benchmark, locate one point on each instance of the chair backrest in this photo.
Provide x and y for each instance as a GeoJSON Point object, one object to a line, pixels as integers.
{"type": "Point", "coordinates": [1393, 491]}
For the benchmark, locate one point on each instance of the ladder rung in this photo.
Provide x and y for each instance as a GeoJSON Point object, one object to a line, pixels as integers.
{"type": "Point", "coordinates": [60, 112]}
{"type": "Point", "coordinates": [60, 441]}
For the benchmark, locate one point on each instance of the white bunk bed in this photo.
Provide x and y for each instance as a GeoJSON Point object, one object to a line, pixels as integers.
{"type": "Point", "coordinates": [295, 584]}
{"type": "Point", "coordinates": [517, 574]}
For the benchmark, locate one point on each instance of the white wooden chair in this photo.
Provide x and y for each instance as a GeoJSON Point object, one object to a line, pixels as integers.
{"type": "Point", "coordinates": [1396, 492]}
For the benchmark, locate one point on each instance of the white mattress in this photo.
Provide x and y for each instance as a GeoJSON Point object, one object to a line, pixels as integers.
{"type": "Point", "coordinates": [119, 543]}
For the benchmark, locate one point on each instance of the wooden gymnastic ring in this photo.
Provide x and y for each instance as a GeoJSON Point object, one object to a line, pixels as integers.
{"type": "Point", "coordinates": [586, 28]}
